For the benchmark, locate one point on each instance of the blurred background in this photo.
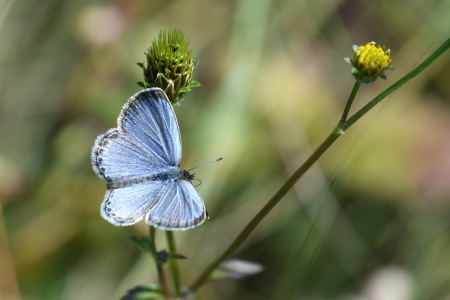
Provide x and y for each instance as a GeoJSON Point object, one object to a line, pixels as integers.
{"type": "Point", "coordinates": [370, 221]}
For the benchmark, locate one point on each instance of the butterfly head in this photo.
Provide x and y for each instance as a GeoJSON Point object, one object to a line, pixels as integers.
{"type": "Point", "coordinates": [185, 175]}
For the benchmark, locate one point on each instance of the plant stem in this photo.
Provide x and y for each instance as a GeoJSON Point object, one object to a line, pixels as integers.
{"type": "Point", "coordinates": [313, 158]}
{"type": "Point", "coordinates": [267, 208]}
{"type": "Point", "coordinates": [158, 263]}
{"type": "Point", "coordinates": [349, 102]}
{"type": "Point", "coordinates": [173, 262]}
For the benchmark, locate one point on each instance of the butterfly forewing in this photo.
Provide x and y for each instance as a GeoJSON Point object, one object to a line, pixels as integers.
{"type": "Point", "coordinates": [148, 120]}
{"type": "Point", "coordinates": [116, 157]}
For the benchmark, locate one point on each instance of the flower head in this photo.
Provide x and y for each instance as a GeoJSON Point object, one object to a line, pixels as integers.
{"type": "Point", "coordinates": [170, 65]}
{"type": "Point", "coordinates": [369, 62]}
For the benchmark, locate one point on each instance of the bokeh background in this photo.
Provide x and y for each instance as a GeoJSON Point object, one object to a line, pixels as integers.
{"type": "Point", "coordinates": [370, 221]}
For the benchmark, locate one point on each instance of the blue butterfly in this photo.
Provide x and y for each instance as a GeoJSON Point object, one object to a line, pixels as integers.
{"type": "Point", "coordinates": [140, 162]}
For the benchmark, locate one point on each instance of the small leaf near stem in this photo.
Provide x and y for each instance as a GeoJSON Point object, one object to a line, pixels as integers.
{"type": "Point", "coordinates": [142, 292]}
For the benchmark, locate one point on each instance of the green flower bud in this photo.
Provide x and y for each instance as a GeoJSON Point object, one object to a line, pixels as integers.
{"type": "Point", "coordinates": [169, 65]}
{"type": "Point", "coordinates": [369, 62]}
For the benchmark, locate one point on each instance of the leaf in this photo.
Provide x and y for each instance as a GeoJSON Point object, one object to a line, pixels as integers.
{"type": "Point", "coordinates": [142, 292]}
{"type": "Point", "coordinates": [183, 90]}
{"type": "Point", "coordinates": [194, 84]}
{"type": "Point", "coordinates": [141, 65]}
{"type": "Point", "coordinates": [236, 269]}
{"type": "Point", "coordinates": [177, 256]}
{"type": "Point", "coordinates": [164, 255]}
{"type": "Point", "coordinates": [141, 84]}
{"type": "Point", "coordinates": [142, 243]}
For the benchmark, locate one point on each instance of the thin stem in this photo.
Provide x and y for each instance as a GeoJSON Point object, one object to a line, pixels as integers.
{"type": "Point", "coordinates": [267, 208]}
{"type": "Point", "coordinates": [159, 266]}
{"type": "Point", "coordinates": [349, 102]}
{"type": "Point", "coordinates": [173, 262]}
{"type": "Point", "coordinates": [310, 161]}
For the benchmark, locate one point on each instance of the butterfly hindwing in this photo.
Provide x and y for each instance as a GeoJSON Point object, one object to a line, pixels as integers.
{"type": "Point", "coordinates": [128, 205]}
{"type": "Point", "coordinates": [179, 206]}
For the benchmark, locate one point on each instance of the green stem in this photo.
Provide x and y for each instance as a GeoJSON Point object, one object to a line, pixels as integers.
{"type": "Point", "coordinates": [173, 262]}
{"type": "Point", "coordinates": [158, 263]}
{"type": "Point", "coordinates": [267, 208]}
{"type": "Point", "coordinates": [310, 161]}
{"type": "Point", "coordinates": [349, 102]}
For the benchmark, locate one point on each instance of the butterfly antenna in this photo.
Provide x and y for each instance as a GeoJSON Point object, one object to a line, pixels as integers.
{"type": "Point", "coordinates": [207, 163]}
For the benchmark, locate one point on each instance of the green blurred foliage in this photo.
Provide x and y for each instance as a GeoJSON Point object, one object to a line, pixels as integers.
{"type": "Point", "coordinates": [371, 217]}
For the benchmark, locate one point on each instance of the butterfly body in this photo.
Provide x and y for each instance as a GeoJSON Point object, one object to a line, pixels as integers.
{"type": "Point", "coordinates": [172, 174]}
{"type": "Point", "coordinates": [140, 162]}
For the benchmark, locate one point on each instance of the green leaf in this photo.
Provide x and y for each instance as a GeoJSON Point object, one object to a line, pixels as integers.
{"type": "Point", "coordinates": [141, 84]}
{"type": "Point", "coordinates": [141, 65]}
{"type": "Point", "coordinates": [176, 256]}
{"type": "Point", "coordinates": [194, 84]}
{"type": "Point", "coordinates": [142, 243]}
{"type": "Point", "coordinates": [183, 90]}
{"type": "Point", "coordinates": [141, 292]}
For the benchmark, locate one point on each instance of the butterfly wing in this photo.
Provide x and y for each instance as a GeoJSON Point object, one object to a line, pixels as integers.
{"type": "Point", "coordinates": [179, 207]}
{"type": "Point", "coordinates": [148, 119]}
{"type": "Point", "coordinates": [146, 140]}
{"type": "Point", "coordinates": [127, 206]}
{"type": "Point", "coordinates": [115, 157]}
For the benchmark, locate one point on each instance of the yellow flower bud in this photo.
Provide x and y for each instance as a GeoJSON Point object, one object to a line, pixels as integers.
{"type": "Point", "coordinates": [369, 62]}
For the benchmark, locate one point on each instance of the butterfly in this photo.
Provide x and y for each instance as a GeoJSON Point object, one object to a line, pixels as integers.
{"type": "Point", "coordinates": [140, 162]}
